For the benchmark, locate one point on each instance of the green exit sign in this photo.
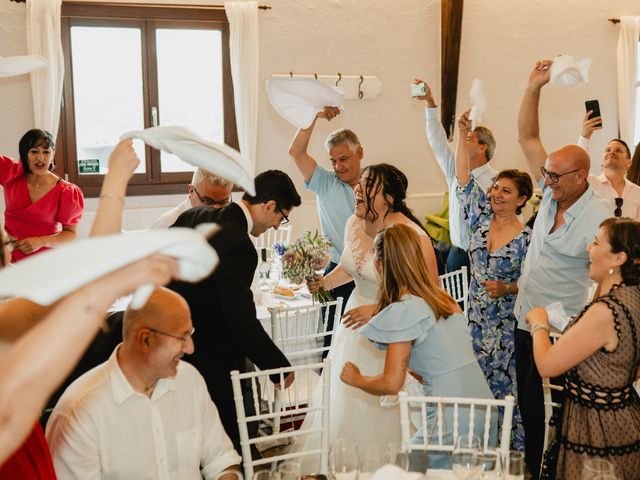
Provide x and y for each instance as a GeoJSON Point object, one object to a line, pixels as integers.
{"type": "Point", "coordinates": [89, 165]}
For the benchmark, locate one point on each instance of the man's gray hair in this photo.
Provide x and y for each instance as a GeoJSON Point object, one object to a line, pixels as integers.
{"type": "Point", "coordinates": [340, 136]}
{"type": "Point", "coordinates": [485, 137]}
{"type": "Point", "coordinates": [202, 176]}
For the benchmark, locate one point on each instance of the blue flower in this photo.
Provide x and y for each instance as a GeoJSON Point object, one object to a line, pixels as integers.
{"type": "Point", "coordinates": [279, 249]}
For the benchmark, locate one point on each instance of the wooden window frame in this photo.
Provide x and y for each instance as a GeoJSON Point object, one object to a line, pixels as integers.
{"type": "Point", "coordinates": [148, 18]}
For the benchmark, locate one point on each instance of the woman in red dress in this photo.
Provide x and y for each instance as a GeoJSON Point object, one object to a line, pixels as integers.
{"type": "Point", "coordinates": [36, 199]}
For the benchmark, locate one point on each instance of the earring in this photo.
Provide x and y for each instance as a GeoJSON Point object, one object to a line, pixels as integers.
{"type": "Point", "coordinates": [611, 271]}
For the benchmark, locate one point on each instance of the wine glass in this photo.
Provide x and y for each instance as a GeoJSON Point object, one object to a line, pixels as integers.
{"type": "Point", "coordinates": [343, 459]}
{"type": "Point", "coordinates": [289, 470]}
{"type": "Point", "coordinates": [465, 456]}
{"type": "Point", "coordinates": [371, 459]}
{"type": "Point", "coordinates": [596, 467]}
{"type": "Point", "coordinates": [394, 455]}
{"type": "Point", "coordinates": [514, 466]}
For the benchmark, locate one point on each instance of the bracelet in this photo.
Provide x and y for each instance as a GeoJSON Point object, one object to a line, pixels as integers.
{"type": "Point", "coordinates": [539, 326]}
{"type": "Point", "coordinates": [108, 195]}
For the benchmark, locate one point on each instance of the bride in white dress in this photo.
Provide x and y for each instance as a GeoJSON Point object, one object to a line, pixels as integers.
{"type": "Point", "coordinates": [354, 414]}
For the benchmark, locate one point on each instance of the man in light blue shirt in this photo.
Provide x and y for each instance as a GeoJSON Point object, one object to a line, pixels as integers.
{"type": "Point", "coordinates": [481, 149]}
{"type": "Point", "coordinates": [336, 200]}
{"type": "Point", "coordinates": [556, 266]}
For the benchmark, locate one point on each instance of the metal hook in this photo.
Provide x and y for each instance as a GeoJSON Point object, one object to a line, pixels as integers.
{"type": "Point", "coordinates": [360, 93]}
{"type": "Point", "coordinates": [291, 74]}
{"type": "Point", "coordinates": [339, 78]}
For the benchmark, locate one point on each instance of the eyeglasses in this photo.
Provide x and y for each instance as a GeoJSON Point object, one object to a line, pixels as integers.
{"type": "Point", "coordinates": [284, 220]}
{"type": "Point", "coordinates": [618, 211]}
{"type": "Point", "coordinates": [210, 202]}
{"type": "Point", "coordinates": [555, 177]}
{"type": "Point", "coordinates": [182, 339]}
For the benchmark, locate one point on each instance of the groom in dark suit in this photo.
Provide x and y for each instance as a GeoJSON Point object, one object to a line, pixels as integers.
{"type": "Point", "coordinates": [222, 308]}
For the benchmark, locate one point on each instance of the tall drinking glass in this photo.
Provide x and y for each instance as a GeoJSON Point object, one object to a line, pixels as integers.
{"type": "Point", "coordinates": [514, 466]}
{"type": "Point", "coordinates": [465, 461]}
{"type": "Point", "coordinates": [343, 459]}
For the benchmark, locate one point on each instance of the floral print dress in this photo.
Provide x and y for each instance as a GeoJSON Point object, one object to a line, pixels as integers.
{"type": "Point", "coordinates": [491, 320]}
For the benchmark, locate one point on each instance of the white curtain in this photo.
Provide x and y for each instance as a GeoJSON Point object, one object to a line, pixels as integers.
{"type": "Point", "coordinates": [243, 46]}
{"type": "Point", "coordinates": [628, 39]}
{"type": "Point", "coordinates": [43, 38]}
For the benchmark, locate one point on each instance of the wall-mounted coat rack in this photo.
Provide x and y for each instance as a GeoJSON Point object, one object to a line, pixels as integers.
{"type": "Point", "coordinates": [364, 87]}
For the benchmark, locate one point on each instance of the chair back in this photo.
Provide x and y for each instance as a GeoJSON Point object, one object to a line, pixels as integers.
{"type": "Point", "coordinates": [300, 332]}
{"type": "Point", "coordinates": [273, 406]}
{"type": "Point", "coordinates": [465, 417]}
{"type": "Point", "coordinates": [457, 285]}
{"type": "Point", "coordinates": [271, 236]}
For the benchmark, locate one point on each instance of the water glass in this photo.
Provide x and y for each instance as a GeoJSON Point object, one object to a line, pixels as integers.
{"type": "Point", "coordinates": [266, 475]}
{"type": "Point", "coordinates": [371, 459]}
{"type": "Point", "coordinates": [465, 461]}
{"type": "Point", "coordinates": [489, 463]}
{"type": "Point", "coordinates": [597, 467]}
{"type": "Point", "coordinates": [343, 459]}
{"type": "Point", "coordinates": [394, 455]}
{"type": "Point", "coordinates": [289, 470]}
{"type": "Point", "coordinates": [514, 466]}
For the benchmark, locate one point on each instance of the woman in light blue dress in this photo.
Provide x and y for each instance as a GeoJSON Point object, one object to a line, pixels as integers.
{"type": "Point", "coordinates": [421, 328]}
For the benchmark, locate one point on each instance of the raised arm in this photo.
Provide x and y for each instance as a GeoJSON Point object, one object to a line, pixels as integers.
{"type": "Point", "coordinates": [462, 150]}
{"type": "Point", "coordinates": [122, 163]}
{"type": "Point", "coordinates": [589, 125]}
{"type": "Point", "coordinates": [528, 123]}
{"type": "Point", "coordinates": [43, 357]}
{"type": "Point", "coordinates": [298, 148]}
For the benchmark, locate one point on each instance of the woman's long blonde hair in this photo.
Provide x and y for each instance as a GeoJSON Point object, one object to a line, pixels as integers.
{"type": "Point", "coordinates": [404, 270]}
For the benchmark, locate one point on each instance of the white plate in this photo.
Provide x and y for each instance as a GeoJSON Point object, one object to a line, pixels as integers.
{"type": "Point", "coordinates": [286, 297]}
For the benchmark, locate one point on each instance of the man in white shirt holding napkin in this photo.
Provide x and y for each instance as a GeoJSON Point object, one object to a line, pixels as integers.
{"type": "Point", "coordinates": [482, 146]}
{"type": "Point", "coordinates": [144, 413]}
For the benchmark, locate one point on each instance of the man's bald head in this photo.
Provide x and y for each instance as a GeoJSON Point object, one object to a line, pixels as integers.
{"type": "Point", "coordinates": [570, 166]}
{"type": "Point", "coordinates": [163, 309]}
{"type": "Point", "coordinates": [573, 157]}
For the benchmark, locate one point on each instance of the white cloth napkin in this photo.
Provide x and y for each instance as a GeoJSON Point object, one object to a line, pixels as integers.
{"type": "Point", "coordinates": [478, 103]}
{"type": "Point", "coordinates": [557, 316]}
{"type": "Point", "coordinates": [21, 64]}
{"type": "Point", "coordinates": [392, 472]}
{"type": "Point", "coordinates": [298, 100]}
{"type": "Point", "coordinates": [216, 158]}
{"type": "Point", "coordinates": [567, 72]}
{"type": "Point", "coordinates": [51, 275]}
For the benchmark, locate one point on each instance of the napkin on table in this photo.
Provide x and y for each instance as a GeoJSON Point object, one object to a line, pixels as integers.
{"type": "Point", "coordinates": [393, 472]}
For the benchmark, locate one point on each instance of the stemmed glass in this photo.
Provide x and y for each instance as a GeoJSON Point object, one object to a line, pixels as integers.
{"type": "Point", "coordinates": [371, 459]}
{"type": "Point", "coordinates": [489, 463]}
{"type": "Point", "coordinates": [514, 466]}
{"type": "Point", "coordinates": [394, 455]}
{"type": "Point", "coordinates": [465, 460]}
{"type": "Point", "coordinates": [343, 459]}
{"type": "Point", "coordinates": [289, 470]}
{"type": "Point", "coordinates": [594, 468]}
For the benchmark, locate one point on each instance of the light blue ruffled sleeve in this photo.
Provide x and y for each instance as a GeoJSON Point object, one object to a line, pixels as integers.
{"type": "Point", "coordinates": [408, 320]}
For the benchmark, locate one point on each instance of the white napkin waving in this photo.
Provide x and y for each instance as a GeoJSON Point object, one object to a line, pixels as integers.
{"type": "Point", "coordinates": [478, 103]}
{"type": "Point", "coordinates": [216, 158]}
{"type": "Point", "coordinates": [557, 316]}
{"type": "Point", "coordinates": [49, 276]}
{"type": "Point", "coordinates": [298, 100]}
{"type": "Point", "coordinates": [393, 472]}
{"type": "Point", "coordinates": [21, 64]}
{"type": "Point", "coordinates": [567, 72]}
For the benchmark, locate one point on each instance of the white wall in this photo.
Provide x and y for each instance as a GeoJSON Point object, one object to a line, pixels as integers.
{"type": "Point", "coordinates": [397, 41]}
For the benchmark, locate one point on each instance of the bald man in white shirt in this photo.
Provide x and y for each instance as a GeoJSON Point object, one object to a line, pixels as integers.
{"type": "Point", "coordinates": [144, 413]}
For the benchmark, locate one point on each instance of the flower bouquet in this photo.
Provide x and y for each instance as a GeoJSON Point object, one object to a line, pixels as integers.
{"type": "Point", "coordinates": [304, 259]}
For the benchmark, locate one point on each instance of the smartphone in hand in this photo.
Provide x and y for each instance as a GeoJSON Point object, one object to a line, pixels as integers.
{"type": "Point", "coordinates": [593, 106]}
{"type": "Point", "coordinates": [418, 89]}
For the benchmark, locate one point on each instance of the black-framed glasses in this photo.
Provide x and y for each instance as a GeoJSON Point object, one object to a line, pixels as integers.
{"type": "Point", "coordinates": [210, 202]}
{"type": "Point", "coordinates": [183, 339]}
{"type": "Point", "coordinates": [284, 220]}
{"type": "Point", "coordinates": [618, 211]}
{"type": "Point", "coordinates": [555, 177]}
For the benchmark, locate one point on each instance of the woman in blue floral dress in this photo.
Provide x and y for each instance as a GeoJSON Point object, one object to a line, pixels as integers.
{"type": "Point", "coordinates": [497, 248]}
